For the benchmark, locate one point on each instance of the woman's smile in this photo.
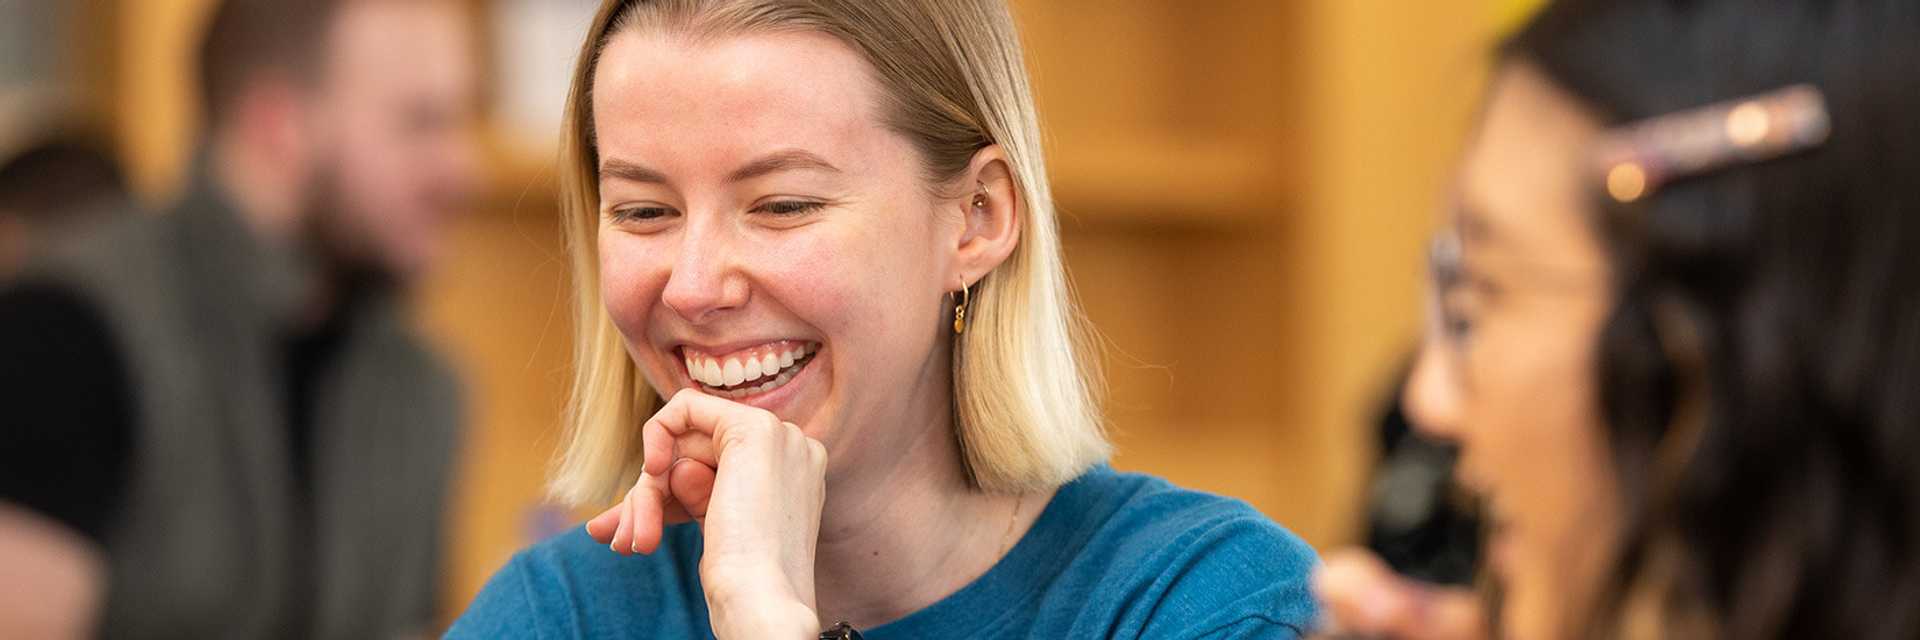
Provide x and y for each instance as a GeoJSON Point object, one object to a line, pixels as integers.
{"type": "Point", "coordinates": [746, 374]}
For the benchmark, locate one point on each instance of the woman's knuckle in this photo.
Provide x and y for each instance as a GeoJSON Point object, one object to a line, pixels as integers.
{"type": "Point", "coordinates": [735, 437]}
{"type": "Point", "coordinates": [766, 418]}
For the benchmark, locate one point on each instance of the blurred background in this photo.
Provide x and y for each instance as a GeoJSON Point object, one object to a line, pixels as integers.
{"type": "Point", "coordinates": [1247, 186]}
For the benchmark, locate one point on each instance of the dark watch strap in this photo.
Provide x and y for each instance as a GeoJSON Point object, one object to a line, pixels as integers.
{"type": "Point", "coordinates": [842, 631]}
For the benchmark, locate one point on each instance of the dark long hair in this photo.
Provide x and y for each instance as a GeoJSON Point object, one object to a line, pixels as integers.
{"type": "Point", "coordinates": [1760, 372]}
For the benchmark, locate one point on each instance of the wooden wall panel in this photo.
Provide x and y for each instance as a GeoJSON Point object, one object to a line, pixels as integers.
{"type": "Point", "coordinates": [154, 108]}
{"type": "Point", "coordinates": [499, 308]}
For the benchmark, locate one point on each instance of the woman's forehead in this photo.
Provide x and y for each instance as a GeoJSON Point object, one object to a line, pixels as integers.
{"type": "Point", "coordinates": [1524, 184]}
{"type": "Point", "coordinates": [723, 99]}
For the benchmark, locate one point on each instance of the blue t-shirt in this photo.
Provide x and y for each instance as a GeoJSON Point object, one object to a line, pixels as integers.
{"type": "Point", "coordinates": [1115, 555]}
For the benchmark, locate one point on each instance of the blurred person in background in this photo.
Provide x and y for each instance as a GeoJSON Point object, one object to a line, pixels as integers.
{"type": "Point", "coordinates": [287, 440]}
{"type": "Point", "coordinates": [821, 231]}
{"type": "Point", "coordinates": [53, 522]}
{"type": "Point", "coordinates": [1678, 330]}
{"type": "Point", "coordinates": [53, 187]}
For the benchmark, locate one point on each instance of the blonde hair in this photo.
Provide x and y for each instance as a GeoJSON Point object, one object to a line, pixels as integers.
{"type": "Point", "coordinates": [1026, 408]}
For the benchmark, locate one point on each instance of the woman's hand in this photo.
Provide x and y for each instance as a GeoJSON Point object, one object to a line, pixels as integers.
{"type": "Point", "coordinates": [756, 485]}
{"type": "Point", "coordinates": [1363, 598]}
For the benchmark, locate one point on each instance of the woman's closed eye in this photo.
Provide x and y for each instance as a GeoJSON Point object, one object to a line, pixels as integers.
{"type": "Point", "coordinates": [650, 214]}
{"type": "Point", "coordinates": [640, 213]}
{"type": "Point", "coordinates": [788, 208]}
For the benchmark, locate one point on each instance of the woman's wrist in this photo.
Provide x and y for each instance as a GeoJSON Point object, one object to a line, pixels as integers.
{"type": "Point", "coordinates": [794, 621]}
{"type": "Point", "coordinates": [766, 616]}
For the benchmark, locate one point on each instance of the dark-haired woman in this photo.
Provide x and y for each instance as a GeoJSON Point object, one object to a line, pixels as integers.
{"type": "Point", "coordinates": [1678, 330]}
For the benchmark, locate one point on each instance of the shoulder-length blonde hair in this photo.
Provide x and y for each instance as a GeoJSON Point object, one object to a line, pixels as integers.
{"type": "Point", "coordinates": [953, 82]}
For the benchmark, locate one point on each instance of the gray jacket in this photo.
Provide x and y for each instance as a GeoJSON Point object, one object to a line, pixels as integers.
{"type": "Point", "coordinates": [205, 541]}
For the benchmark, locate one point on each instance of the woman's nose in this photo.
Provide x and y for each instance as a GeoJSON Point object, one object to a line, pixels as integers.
{"type": "Point", "coordinates": [706, 278]}
{"type": "Point", "coordinates": [1432, 398]}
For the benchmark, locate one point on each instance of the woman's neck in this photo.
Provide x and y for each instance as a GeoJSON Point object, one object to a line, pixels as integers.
{"type": "Point", "coordinates": [902, 534]}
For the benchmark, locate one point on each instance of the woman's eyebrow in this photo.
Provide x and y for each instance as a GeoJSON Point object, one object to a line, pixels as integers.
{"type": "Point", "coordinates": [788, 160]}
{"type": "Point", "coordinates": [629, 171]}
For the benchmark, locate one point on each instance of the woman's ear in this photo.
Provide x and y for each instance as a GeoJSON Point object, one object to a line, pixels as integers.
{"type": "Point", "coordinates": [991, 206]}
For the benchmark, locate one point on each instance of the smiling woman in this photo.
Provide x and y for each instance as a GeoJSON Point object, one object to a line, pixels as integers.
{"type": "Point", "coordinates": [821, 229]}
{"type": "Point", "coordinates": [761, 113]}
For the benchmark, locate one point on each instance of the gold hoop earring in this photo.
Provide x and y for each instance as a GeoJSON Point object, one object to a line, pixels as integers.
{"type": "Point", "coordinates": [960, 311]}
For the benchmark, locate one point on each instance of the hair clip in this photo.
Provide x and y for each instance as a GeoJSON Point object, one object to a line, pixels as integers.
{"type": "Point", "coordinates": [1638, 158]}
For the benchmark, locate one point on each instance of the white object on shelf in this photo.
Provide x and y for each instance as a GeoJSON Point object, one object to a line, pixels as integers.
{"type": "Point", "coordinates": [535, 44]}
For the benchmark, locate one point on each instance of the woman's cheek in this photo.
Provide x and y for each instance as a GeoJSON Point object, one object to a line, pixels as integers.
{"type": "Point", "coordinates": [815, 276]}
{"type": "Point", "coordinates": [629, 283]}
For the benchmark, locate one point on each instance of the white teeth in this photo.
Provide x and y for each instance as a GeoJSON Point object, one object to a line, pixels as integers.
{"type": "Point", "coordinates": [751, 375]}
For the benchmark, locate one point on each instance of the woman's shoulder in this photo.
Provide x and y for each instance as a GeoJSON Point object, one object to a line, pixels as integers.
{"type": "Point", "coordinates": [571, 586]}
{"type": "Point", "coordinates": [1223, 563]}
{"type": "Point", "coordinates": [1144, 509]}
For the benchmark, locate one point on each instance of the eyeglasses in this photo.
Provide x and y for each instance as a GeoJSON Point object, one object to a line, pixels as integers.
{"type": "Point", "coordinates": [1449, 329]}
{"type": "Point", "coordinates": [1446, 270]}
{"type": "Point", "coordinates": [1459, 300]}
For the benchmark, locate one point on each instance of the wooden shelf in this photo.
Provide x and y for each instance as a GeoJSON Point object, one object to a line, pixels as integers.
{"type": "Point", "coordinates": [1176, 183]}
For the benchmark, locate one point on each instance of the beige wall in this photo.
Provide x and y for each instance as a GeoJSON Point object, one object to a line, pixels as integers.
{"type": "Point", "coordinates": [1246, 183]}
